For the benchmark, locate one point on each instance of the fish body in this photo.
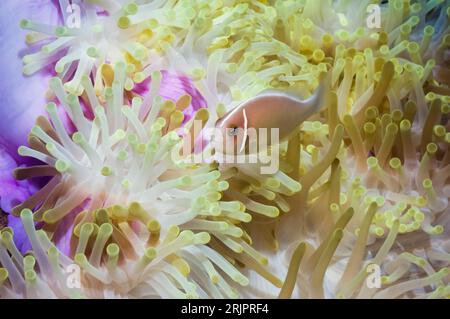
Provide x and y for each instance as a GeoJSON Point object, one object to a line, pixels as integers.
{"type": "Point", "coordinates": [271, 109]}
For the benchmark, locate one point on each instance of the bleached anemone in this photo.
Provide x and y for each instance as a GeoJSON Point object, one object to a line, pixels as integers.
{"type": "Point", "coordinates": [375, 191]}
{"type": "Point", "coordinates": [222, 46]}
{"type": "Point", "coordinates": [362, 186]}
{"type": "Point", "coordinates": [142, 216]}
{"type": "Point", "coordinates": [388, 213]}
{"type": "Point", "coordinates": [89, 39]}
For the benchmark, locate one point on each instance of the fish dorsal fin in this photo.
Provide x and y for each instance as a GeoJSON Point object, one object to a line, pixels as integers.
{"type": "Point", "coordinates": [299, 90]}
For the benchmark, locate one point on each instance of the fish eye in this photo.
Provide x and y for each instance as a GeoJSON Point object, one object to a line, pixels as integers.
{"type": "Point", "coordinates": [233, 130]}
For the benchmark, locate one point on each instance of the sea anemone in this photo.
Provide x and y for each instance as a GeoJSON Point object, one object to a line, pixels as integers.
{"type": "Point", "coordinates": [358, 207]}
{"type": "Point", "coordinates": [90, 38]}
{"type": "Point", "coordinates": [132, 201]}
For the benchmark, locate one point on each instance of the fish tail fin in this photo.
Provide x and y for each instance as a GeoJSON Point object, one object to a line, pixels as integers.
{"type": "Point", "coordinates": [321, 96]}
